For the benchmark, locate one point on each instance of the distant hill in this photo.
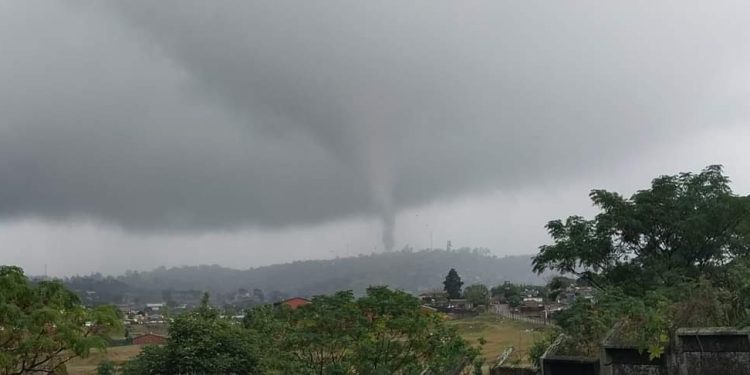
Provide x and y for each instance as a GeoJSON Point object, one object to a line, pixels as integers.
{"type": "Point", "coordinates": [412, 271]}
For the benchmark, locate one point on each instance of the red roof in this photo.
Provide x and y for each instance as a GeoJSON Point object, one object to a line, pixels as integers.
{"type": "Point", "coordinates": [149, 339]}
{"type": "Point", "coordinates": [296, 302]}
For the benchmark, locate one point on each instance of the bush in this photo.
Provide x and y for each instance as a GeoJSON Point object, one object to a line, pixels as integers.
{"type": "Point", "coordinates": [106, 368]}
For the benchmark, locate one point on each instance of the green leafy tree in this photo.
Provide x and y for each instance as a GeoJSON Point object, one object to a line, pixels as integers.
{"type": "Point", "coordinates": [323, 332]}
{"type": "Point", "coordinates": [557, 286]}
{"type": "Point", "coordinates": [271, 327]}
{"type": "Point", "coordinates": [684, 227]}
{"type": "Point", "coordinates": [509, 292]}
{"type": "Point", "coordinates": [151, 361]}
{"type": "Point", "coordinates": [477, 294]}
{"type": "Point", "coordinates": [200, 342]}
{"type": "Point", "coordinates": [106, 368]}
{"type": "Point", "coordinates": [384, 332]}
{"type": "Point", "coordinates": [403, 339]}
{"type": "Point", "coordinates": [676, 254]}
{"type": "Point", "coordinates": [452, 284]}
{"type": "Point", "coordinates": [43, 325]}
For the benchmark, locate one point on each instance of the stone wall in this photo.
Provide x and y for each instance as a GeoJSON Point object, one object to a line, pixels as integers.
{"type": "Point", "coordinates": [703, 351]}
{"type": "Point", "coordinates": [631, 361]}
{"type": "Point", "coordinates": [711, 351]}
{"type": "Point", "coordinates": [509, 370]}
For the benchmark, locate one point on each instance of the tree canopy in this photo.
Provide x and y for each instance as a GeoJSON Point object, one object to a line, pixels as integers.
{"type": "Point", "coordinates": [43, 325]}
{"type": "Point", "coordinates": [452, 284]}
{"type": "Point", "coordinates": [383, 332]}
{"type": "Point", "coordinates": [477, 294]}
{"type": "Point", "coordinates": [683, 227]}
{"type": "Point", "coordinates": [674, 255]}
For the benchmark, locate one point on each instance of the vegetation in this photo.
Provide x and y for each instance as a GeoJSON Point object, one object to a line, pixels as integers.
{"type": "Point", "coordinates": [409, 270]}
{"type": "Point", "coordinates": [477, 294]}
{"type": "Point", "coordinates": [673, 255]}
{"type": "Point", "coordinates": [452, 284]}
{"type": "Point", "coordinates": [106, 368]}
{"type": "Point", "coordinates": [43, 325]}
{"type": "Point", "coordinates": [498, 333]}
{"type": "Point", "coordinates": [117, 355]}
{"type": "Point", "coordinates": [384, 332]}
{"type": "Point", "coordinates": [200, 342]}
{"type": "Point", "coordinates": [509, 292]}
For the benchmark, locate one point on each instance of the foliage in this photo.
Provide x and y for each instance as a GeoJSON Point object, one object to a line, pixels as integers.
{"type": "Point", "coordinates": [684, 227]}
{"type": "Point", "coordinates": [509, 292]}
{"type": "Point", "coordinates": [151, 361]}
{"type": "Point", "coordinates": [200, 342]}
{"type": "Point", "coordinates": [477, 294]}
{"type": "Point", "coordinates": [43, 325]}
{"type": "Point", "coordinates": [540, 346]}
{"type": "Point", "coordinates": [384, 332]}
{"type": "Point", "coordinates": [403, 339]}
{"type": "Point", "coordinates": [557, 285]}
{"type": "Point", "coordinates": [106, 368]}
{"type": "Point", "coordinates": [674, 255]}
{"type": "Point", "coordinates": [452, 284]}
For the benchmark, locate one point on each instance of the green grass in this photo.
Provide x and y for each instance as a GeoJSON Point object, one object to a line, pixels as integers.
{"type": "Point", "coordinates": [499, 333]}
{"type": "Point", "coordinates": [117, 354]}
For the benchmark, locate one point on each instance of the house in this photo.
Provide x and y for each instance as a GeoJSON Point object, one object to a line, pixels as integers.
{"type": "Point", "coordinates": [433, 298]}
{"type": "Point", "coordinates": [532, 306]}
{"type": "Point", "coordinates": [533, 302]}
{"type": "Point", "coordinates": [149, 339]}
{"type": "Point", "coordinates": [460, 304]}
{"type": "Point", "coordinates": [294, 303]}
{"type": "Point", "coordinates": [154, 307]}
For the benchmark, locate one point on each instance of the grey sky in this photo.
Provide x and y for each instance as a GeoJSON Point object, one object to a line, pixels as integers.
{"type": "Point", "coordinates": [140, 133]}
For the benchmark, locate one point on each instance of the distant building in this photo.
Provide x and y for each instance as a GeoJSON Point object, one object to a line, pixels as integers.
{"type": "Point", "coordinates": [294, 303]}
{"type": "Point", "coordinates": [460, 304]}
{"type": "Point", "coordinates": [156, 319]}
{"type": "Point", "coordinates": [153, 307]}
{"type": "Point", "coordinates": [533, 302]}
{"type": "Point", "coordinates": [149, 339]}
{"type": "Point", "coordinates": [433, 298]}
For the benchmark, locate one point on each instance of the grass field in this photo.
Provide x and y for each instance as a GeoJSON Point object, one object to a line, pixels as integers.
{"type": "Point", "coordinates": [117, 354]}
{"type": "Point", "coordinates": [500, 333]}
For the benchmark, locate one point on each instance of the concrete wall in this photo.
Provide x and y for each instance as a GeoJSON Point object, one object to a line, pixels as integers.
{"type": "Point", "coordinates": [508, 370]}
{"type": "Point", "coordinates": [559, 365]}
{"type": "Point", "coordinates": [711, 351]}
{"type": "Point", "coordinates": [629, 361]}
{"type": "Point", "coordinates": [704, 351]}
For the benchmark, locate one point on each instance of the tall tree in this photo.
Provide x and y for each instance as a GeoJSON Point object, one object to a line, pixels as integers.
{"type": "Point", "coordinates": [200, 342]}
{"type": "Point", "coordinates": [384, 332]}
{"type": "Point", "coordinates": [683, 227]}
{"type": "Point", "coordinates": [674, 255]}
{"type": "Point", "coordinates": [452, 284]}
{"type": "Point", "coordinates": [43, 325]}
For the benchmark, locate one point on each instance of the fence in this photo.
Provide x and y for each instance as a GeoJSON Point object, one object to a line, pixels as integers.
{"type": "Point", "coordinates": [503, 311]}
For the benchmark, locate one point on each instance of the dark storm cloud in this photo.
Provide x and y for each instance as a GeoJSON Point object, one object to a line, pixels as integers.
{"type": "Point", "coordinates": [165, 115]}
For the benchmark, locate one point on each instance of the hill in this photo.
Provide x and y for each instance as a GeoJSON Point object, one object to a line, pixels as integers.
{"type": "Point", "coordinates": [408, 270]}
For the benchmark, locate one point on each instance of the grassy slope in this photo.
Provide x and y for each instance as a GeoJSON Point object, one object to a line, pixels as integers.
{"type": "Point", "coordinates": [118, 355]}
{"type": "Point", "coordinates": [499, 333]}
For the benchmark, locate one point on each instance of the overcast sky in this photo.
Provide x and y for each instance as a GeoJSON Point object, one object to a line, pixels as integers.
{"type": "Point", "coordinates": [135, 134]}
